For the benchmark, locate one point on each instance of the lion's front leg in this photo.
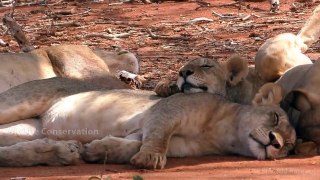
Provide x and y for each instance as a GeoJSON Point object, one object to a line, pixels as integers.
{"type": "Point", "coordinates": [308, 148]}
{"type": "Point", "coordinates": [40, 152]}
{"type": "Point", "coordinates": [157, 133]}
{"type": "Point", "coordinates": [166, 88]}
{"type": "Point", "coordinates": [111, 150]}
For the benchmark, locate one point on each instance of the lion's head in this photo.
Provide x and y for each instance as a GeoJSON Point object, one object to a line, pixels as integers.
{"type": "Point", "coordinates": [268, 126]}
{"type": "Point", "coordinates": [207, 75]}
{"type": "Point", "coordinates": [202, 75]}
{"type": "Point", "coordinates": [270, 134]}
{"type": "Point", "coordinates": [231, 79]}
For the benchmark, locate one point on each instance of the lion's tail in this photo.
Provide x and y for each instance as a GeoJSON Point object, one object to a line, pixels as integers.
{"type": "Point", "coordinates": [310, 32]}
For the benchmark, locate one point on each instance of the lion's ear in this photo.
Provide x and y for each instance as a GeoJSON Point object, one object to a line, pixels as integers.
{"type": "Point", "coordinates": [269, 94]}
{"type": "Point", "coordinates": [237, 69]}
{"type": "Point", "coordinates": [298, 99]}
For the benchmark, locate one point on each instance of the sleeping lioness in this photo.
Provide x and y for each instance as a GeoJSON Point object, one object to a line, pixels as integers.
{"type": "Point", "coordinates": [302, 103]}
{"type": "Point", "coordinates": [70, 61]}
{"type": "Point", "coordinates": [284, 51]}
{"type": "Point", "coordinates": [72, 110]}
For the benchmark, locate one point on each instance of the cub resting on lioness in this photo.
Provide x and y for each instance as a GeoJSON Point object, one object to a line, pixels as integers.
{"type": "Point", "coordinates": [70, 61]}
{"type": "Point", "coordinates": [260, 131]}
{"type": "Point", "coordinates": [280, 53]}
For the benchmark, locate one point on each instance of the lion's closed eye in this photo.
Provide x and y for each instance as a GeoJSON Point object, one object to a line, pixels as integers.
{"type": "Point", "coordinates": [206, 66]}
{"type": "Point", "coordinates": [276, 118]}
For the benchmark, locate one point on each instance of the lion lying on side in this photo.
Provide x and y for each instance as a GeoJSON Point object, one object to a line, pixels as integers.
{"type": "Point", "coordinates": [242, 89]}
{"type": "Point", "coordinates": [87, 113]}
{"type": "Point", "coordinates": [170, 129]}
{"type": "Point", "coordinates": [70, 61]}
{"type": "Point", "coordinates": [302, 103]}
{"type": "Point", "coordinates": [285, 51]}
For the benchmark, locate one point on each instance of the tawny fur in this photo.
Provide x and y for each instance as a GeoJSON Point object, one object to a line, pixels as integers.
{"type": "Point", "coordinates": [177, 134]}
{"type": "Point", "coordinates": [41, 152]}
{"type": "Point", "coordinates": [16, 101]}
{"type": "Point", "coordinates": [122, 113]}
{"type": "Point", "coordinates": [70, 61]}
{"type": "Point", "coordinates": [268, 94]}
{"type": "Point", "coordinates": [284, 51]}
{"type": "Point", "coordinates": [302, 102]}
{"type": "Point", "coordinates": [232, 79]}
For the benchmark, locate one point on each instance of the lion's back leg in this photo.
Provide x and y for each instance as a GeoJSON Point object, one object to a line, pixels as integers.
{"type": "Point", "coordinates": [33, 98]}
{"type": "Point", "coordinates": [20, 131]}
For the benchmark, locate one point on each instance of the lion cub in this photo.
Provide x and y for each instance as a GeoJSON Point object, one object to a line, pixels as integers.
{"type": "Point", "coordinates": [232, 79]}
{"type": "Point", "coordinates": [200, 124]}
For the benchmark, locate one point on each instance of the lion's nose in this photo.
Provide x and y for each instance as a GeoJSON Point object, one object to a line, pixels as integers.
{"type": "Point", "coordinates": [276, 140]}
{"type": "Point", "coordinates": [185, 73]}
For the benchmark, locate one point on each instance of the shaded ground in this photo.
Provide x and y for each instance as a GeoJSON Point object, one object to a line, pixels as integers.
{"type": "Point", "coordinates": [185, 168]}
{"type": "Point", "coordinates": [162, 57]}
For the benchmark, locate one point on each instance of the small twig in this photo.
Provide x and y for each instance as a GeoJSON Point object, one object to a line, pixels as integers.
{"type": "Point", "coordinates": [78, 14]}
{"type": "Point", "coordinates": [68, 24]}
{"type": "Point", "coordinates": [223, 16]}
{"type": "Point", "coordinates": [64, 12]}
{"type": "Point", "coordinates": [199, 20]}
{"type": "Point", "coordinates": [55, 3]}
{"type": "Point", "coordinates": [14, 3]}
{"type": "Point", "coordinates": [246, 18]}
{"type": "Point", "coordinates": [17, 33]}
{"type": "Point", "coordinates": [229, 4]}
{"type": "Point", "coordinates": [202, 4]}
{"type": "Point", "coordinates": [49, 15]}
{"type": "Point", "coordinates": [154, 36]}
{"type": "Point", "coordinates": [18, 178]}
{"type": "Point", "coordinates": [108, 36]}
{"type": "Point", "coordinates": [3, 44]}
{"type": "Point", "coordinates": [218, 14]}
{"type": "Point", "coordinates": [255, 15]}
{"type": "Point", "coordinates": [126, 23]}
{"type": "Point", "coordinates": [119, 3]}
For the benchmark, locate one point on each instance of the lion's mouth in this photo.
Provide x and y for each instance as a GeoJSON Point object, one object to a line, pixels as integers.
{"type": "Point", "coordinates": [262, 147]}
{"type": "Point", "coordinates": [188, 87]}
{"type": "Point", "coordinates": [273, 143]}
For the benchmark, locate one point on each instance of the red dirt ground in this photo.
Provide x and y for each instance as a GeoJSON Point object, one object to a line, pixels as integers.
{"type": "Point", "coordinates": [162, 58]}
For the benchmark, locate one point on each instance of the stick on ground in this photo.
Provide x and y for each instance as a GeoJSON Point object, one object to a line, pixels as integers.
{"type": "Point", "coordinates": [155, 36]}
{"type": "Point", "coordinates": [17, 33]}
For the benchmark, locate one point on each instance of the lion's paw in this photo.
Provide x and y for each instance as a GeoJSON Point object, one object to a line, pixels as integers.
{"type": "Point", "coordinates": [111, 150]}
{"type": "Point", "coordinates": [133, 80]}
{"type": "Point", "coordinates": [306, 148]}
{"type": "Point", "coordinates": [149, 160]}
{"type": "Point", "coordinates": [166, 88]}
{"type": "Point", "coordinates": [68, 152]}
